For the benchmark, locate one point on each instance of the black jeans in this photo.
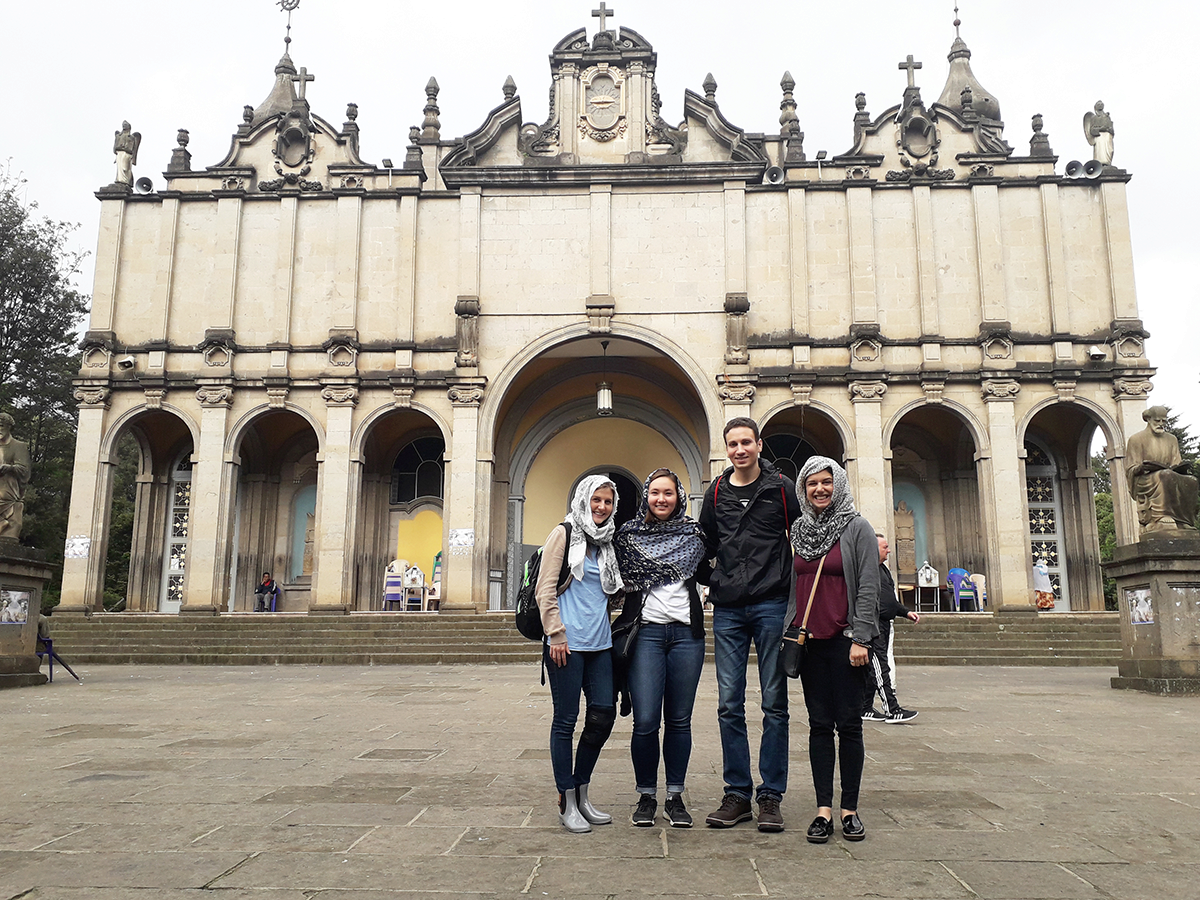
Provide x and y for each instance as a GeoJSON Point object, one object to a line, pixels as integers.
{"type": "Point", "coordinates": [833, 693]}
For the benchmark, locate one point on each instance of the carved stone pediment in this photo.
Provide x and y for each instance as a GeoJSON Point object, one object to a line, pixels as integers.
{"type": "Point", "coordinates": [603, 103]}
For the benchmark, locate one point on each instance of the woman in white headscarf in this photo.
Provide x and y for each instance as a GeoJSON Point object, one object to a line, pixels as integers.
{"type": "Point", "coordinates": [574, 601]}
{"type": "Point", "coordinates": [837, 550]}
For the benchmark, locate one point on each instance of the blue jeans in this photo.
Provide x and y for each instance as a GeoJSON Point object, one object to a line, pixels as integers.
{"type": "Point", "coordinates": [590, 672]}
{"type": "Point", "coordinates": [663, 675]}
{"type": "Point", "coordinates": [733, 630]}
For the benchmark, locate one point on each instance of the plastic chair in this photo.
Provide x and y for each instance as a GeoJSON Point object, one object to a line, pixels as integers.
{"type": "Point", "coordinates": [414, 590]}
{"type": "Point", "coordinates": [961, 588]}
{"type": "Point", "coordinates": [980, 582]}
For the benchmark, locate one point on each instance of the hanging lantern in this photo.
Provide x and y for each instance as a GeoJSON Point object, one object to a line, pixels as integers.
{"type": "Point", "coordinates": [604, 405]}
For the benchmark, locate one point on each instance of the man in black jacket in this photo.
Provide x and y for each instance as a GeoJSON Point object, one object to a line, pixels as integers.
{"type": "Point", "coordinates": [745, 520]}
{"type": "Point", "coordinates": [878, 672]}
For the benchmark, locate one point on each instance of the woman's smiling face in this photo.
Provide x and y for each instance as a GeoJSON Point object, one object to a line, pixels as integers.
{"type": "Point", "coordinates": [602, 504]}
{"type": "Point", "coordinates": [818, 487]}
{"type": "Point", "coordinates": [662, 497]}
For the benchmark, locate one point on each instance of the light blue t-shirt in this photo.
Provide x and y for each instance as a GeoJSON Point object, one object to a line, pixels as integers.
{"type": "Point", "coordinates": [583, 608]}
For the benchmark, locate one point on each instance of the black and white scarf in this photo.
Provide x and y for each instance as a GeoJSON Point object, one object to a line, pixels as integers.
{"type": "Point", "coordinates": [584, 531]}
{"type": "Point", "coordinates": [656, 552]}
{"type": "Point", "coordinates": [814, 533]}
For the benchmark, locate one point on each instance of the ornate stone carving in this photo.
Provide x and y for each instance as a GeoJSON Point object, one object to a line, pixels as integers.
{"type": "Point", "coordinates": [154, 397]}
{"type": "Point", "coordinates": [342, 347]}
{"type": "Point", "coordinates": [233, 183]}
{"type": "Point", "coordinates": [353, 182]}
{"type": "Point", "coordinates": [15, 466]}
{"type": "Point", "coordinates": [340, 395]}
{"type": "Point", "coordinates": [431, 127]}
{"type": "Point", "coordinates": [802, 394]}
{"type": "Point", "coordinates": [213, 396]}
{"type": "Point", "coordinates": [737, 393]}
{"type": "Point", "coordinates": [737, 351]}
{"type": "Point", "coordinates": [920, 170]}
{"type": "Point", "coordinates": [933, 390]}
{"type": "Point", "coordinates": [92, 397]}
{"type": "Point", "coordinates": [402, 397]}
{"type": "Point", "coordinates": [603, 117]}
{"type": "Point", "coordinates": [983, 170]}
{"type": "Point", "coordinates": [181, 158]}
{"type": "Point", "coordinates": [466, 331]}
{"type": "Point", "coordinates": [1039, 144]}
{"type": "Point", "coordinates": [867, 391]}
{"type": "Point", "coordinates": [858, 173]}
{"type": "Point", "coordinates": [1065, 388]}
{"type": "Point", "coordinates": [1132, 387]}
{"type": "Point", "coordinates": [277, 397]}
{"type": "Point", "coordinates": [1160, 482]}
{"type": "Point", "coordinates": [96, 357]}
{"type": "Point", "coordinates": [1098, 129]}
{"type": "Point", "coordinates": [292, 179]}
{"type": "Point", "coordinates": [866, 349]}
{"type": "Point", "coordinates": [600, 311]}
{"type": "Point", "coordinates": [125, 149]}
{"type": "Point", "coordinates": [998, 347]}
{"type": "Point", "coordinates": [1000, 389]}
{"type": "Point", "coordinates": [218, 346]}
{"type": "Point", "coordinates": [1130, 347]}
{"type": "Point", "coordinates": [465, 394]}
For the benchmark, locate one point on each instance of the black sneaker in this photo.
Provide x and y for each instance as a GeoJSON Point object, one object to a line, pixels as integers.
{"type": "Point", "coordinates": [874, 715]}
{"type": "Point", "coordinates": [647, 809]}
{"type": "Point", "coordinates": [769, 817]}
{"type": "Point", "coordinates": [901, 715]}
{"type": "Point", "coordinates": [676, 812]}
{"type": "Point", "coordinates": [733, 809]}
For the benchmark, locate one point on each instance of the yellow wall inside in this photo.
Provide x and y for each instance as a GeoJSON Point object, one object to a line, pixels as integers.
{"type": "Point", "coordinates": [619, 443]}
{"type": "Point", "coordinates": [419, 539]}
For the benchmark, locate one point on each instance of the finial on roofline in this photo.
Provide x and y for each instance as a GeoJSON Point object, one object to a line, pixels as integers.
{"type": "Point", "coordinates": [287, 6]}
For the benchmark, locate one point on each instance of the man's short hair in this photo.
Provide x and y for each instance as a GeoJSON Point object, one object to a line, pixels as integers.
{"type": "Point", "coordinates": [880, 534]}
{"type": "Point", "coordinates": [740, 422]}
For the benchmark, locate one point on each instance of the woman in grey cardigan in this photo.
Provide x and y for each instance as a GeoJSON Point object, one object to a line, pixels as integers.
{"type": "Point", "coordinates": [835, 548]}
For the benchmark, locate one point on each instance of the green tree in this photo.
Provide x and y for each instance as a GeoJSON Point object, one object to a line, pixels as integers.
{"type": "Point", "coordinates": [40, 316]}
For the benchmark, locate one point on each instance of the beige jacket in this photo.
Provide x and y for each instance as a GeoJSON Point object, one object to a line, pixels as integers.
{"type": "Point", "coordinates": [547, 591]}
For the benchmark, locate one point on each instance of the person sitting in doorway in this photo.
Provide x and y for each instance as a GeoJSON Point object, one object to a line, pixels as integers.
{"type": "Point", "coordinates": [266, 595]}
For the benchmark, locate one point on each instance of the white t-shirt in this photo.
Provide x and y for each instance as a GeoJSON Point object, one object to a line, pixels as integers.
{"type": "Point", "coordinates": [667, 603]}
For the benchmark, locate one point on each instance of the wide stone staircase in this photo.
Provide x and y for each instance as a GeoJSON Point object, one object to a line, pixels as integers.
{"type": "Point", "coordinates": [1051, 639]}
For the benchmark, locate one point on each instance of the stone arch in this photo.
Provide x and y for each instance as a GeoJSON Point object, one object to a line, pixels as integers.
{"type": "Point", "coordinates": [845, 432]}
{"type": "Point", "coordinates": [234, 438]}
{"type": "Point", "coordinates": [364, 428]}
{"type": "Point", "coordinates": [975, 427]}
{"type": "Point", "coordinates": [130, 416]}
{"type": "Point", "coordinates": [1112, 432]}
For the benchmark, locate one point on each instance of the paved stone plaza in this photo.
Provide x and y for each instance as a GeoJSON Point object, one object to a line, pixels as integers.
{"type": "Point", "coordinates": [368, 783]}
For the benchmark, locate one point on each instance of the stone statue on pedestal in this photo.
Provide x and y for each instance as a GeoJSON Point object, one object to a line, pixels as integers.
{"type": "Point", "coordinates": [1098, 129]}
{"type": "Point", "coordinates": [125, 148]}
{"type": "Point", "coordinates": [1166, 494]}
{"type": "Point", "coordinates": [14, 476]}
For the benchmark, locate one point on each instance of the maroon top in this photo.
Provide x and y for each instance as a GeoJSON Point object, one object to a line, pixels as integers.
{"type": "Point", "coordinates": [830, 608]}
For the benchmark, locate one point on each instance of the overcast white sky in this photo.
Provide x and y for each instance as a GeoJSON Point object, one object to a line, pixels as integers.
{"type": "Point", "coordinates": [71, 71]}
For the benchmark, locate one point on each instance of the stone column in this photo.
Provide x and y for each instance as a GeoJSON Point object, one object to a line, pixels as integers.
{"type": "Point", "coordinates": [336, 505]}
{"type": "Point", "coordinates": [1005, 516]}
{"type": "Point", "coordinates": [870, 488]}
{"type": "Point", "coordinates": [1131, 394]}
{"type": "Point", "coordinates": [464, 589]}
{"type": "Point", "coordinates": [1120, 250]}
{"type": "Point", "coordinates": [209, 520]}
{"type": "Point", "coordinates": [989, 249]}
{"type": "Point", "coordinates": [861, 226]}
{"type": "Point", "coordinates": [83, 567]}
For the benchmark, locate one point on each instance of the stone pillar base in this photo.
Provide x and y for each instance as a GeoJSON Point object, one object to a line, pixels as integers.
{"type": "Point", "coordinates": [23, 575]}
{"type": "Point", "coordinates": [1158, 592]}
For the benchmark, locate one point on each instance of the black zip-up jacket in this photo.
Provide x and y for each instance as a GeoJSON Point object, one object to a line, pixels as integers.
{"type": "Point", "coordinates": [889, 607]}
{"type": "Point", "coordinates": [751, 544]}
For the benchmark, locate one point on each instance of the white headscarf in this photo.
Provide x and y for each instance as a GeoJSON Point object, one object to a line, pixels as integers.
{"type": "Point", "coordinates": [584, 530]}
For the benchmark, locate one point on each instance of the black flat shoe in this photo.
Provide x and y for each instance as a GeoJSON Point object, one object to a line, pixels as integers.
{"type": "Point", "coordinates": [852, 828]}
{"type": "Point", "coordinates": [819, 831]}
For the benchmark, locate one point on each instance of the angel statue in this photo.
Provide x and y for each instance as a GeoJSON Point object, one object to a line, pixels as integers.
{"type": "Point", "coordinates": [125, 146]}
{"type": "Point", "coordinates": [1098, 129]}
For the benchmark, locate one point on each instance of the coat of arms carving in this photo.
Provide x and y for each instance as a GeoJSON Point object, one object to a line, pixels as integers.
{"type": "Point", "coordinates": [603, 103]}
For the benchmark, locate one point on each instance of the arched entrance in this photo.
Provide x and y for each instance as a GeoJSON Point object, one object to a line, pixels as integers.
{"type": "Point", "coordinates": [549, 435]}
{"type": "Point", "coordinates": [275, 524]}
{"type": "Point", "coordinates": [402, 500]}
{"type": "Point", "coordinates": [936, 504]}
{"type": "Point", "coordinates": [790, 437]}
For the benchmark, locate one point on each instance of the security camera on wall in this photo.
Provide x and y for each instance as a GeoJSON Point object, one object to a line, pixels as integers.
{"type": "Point", "coordinates": [126, 363]}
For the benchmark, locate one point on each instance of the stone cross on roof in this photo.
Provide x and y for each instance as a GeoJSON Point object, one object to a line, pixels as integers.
{"type": "Point", "coordinates": [603, 12]}
{"type": "Point", "coordinates": [302, 78]}
{"type": "Point", "coordinates": [907, 64]}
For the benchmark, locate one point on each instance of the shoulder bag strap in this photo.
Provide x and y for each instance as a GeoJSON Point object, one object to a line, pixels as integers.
{"type": "Point", "coordinates": [812, 594]}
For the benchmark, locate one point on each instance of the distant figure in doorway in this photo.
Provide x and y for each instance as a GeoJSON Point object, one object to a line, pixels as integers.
{"type": "Point", "coordinates": [578, 643]}
{"type": "Point", "coordinates": [1043, 590]}
{"type": "Point", "coordinates": [745, 519]}
{"type": "Point", "coordinates": [266, 595]}
{"type": "Point", "coordinates": [879, 681]}
{"type": "Point", "coordinates": [837, 565]}
{"type": "Point", "coordinates": [660, 552]}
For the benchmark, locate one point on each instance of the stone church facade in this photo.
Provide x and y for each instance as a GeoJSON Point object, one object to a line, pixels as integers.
{"type": "Point", "coordinates": [328, 363]}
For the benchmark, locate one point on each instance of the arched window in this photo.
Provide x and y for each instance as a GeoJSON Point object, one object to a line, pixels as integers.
{"type": "Point", "coordinates": [419, 471]}
{"type": "Point", "coordinates": [788, 453]}
{"type": "Point", "coordinates": [179, 511]}
{"type": "Point", "coordinates": [1043, 496]}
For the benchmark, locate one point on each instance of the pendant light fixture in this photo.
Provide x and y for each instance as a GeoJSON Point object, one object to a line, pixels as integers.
{"type": "Point", "coordinates": [604, 389]}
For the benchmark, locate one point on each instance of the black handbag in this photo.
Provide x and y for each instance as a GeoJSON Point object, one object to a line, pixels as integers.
{"type": "Point", "coordinates": [624, 637]}
{"type": "Point", "coordinates": [793, 645]}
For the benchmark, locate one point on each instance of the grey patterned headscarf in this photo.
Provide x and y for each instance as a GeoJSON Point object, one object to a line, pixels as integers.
{"type": "Point", "coordinates": [814, 533]}
{"type": "Point", "coordinates": [584, 530]}
{"type": "Point", "coordinates": [659, 552]}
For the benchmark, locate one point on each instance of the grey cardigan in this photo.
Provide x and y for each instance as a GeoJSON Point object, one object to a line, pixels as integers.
{"type": "Point", "coordinates": [860, 564]}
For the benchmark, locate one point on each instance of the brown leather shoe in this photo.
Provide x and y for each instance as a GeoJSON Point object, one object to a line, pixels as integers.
{"type": "Point", "coordinates": [769, 817]}
{"type": "Point", "coordinates": [733, 809]}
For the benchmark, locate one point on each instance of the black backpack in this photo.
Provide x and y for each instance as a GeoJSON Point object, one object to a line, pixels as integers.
{"type": "Point", "coordinates": [528, 616]}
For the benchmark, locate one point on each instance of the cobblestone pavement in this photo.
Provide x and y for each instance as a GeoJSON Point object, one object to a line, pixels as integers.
{"type": "Point", "coordinates": [405, 782]}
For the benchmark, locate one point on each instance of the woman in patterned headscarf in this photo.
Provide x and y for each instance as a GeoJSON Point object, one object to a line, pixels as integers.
{"type": "Point", "coordinates": [578, 642]}
{"type": "Point", "coordinates": [835, 548]}
{"type": "Point", "coordinates": [659, 552]}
